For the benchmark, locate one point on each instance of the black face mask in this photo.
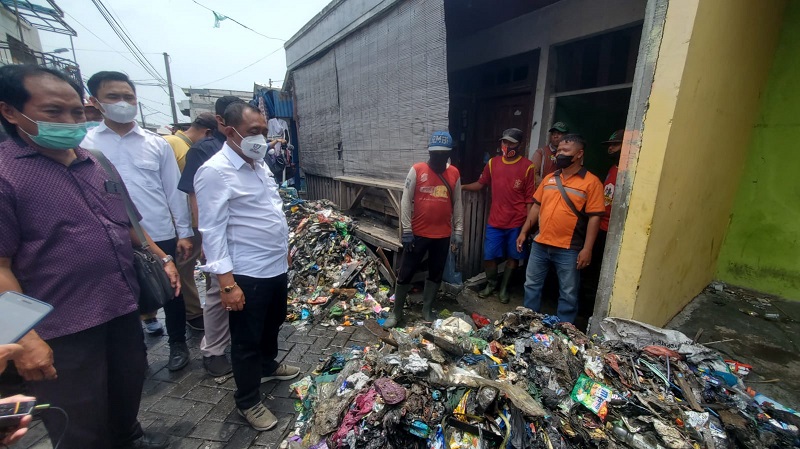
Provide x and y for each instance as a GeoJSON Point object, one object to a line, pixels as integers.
{"type": "Point", "coordinates": [438, 161]}
{"type": "Point", "coordinates": [563, 161]}
{"type": "Point", "coordinates": [615, 157]}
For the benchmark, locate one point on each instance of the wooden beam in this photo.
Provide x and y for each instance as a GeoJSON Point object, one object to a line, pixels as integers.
{"type": "Point", "coordinates": [395, 202]}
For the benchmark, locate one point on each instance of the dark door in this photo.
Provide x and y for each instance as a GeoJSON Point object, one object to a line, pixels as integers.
{"type": "Point", "coordinates": [492, 117]}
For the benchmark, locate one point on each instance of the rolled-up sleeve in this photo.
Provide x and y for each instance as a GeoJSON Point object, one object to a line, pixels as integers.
{"type": "Point", "coordinates": [212, 206]}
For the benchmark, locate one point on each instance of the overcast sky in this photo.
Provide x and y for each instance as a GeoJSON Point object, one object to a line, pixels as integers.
{"type": "Point", "coordinates": [200, 54]}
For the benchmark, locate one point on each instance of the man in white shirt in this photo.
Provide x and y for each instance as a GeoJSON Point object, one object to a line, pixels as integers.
{"type": "Point", "coordinates": [245, 240]}
{"type": "Point", "coordinates": [147, 165]}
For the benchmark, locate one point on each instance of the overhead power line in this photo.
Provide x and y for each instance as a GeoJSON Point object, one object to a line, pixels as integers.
{"type": "Point", "coordinates": [100, 39]}
{"type": "Point", "coordinates": [237, 22]}
{"type": "Point", "coordinates": [128, 42]}
{"type": "Point", "coordinates": [243, 68]}
{"type": "Point", "coordinates": [112, 51]}
{"type": "Point", "coordinates": [136, 50]}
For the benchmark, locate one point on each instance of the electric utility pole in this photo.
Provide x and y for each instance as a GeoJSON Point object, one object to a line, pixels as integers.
{"type": "Point", "coordinates": [171, 93]}
{"type": "Point", "coordinates": [141, 114]}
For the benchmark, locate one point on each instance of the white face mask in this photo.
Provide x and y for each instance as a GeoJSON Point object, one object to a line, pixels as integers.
{"type": "Point", "coordinates": [254, 147]}
{"type": "Point", "coordinates": [120, 112]}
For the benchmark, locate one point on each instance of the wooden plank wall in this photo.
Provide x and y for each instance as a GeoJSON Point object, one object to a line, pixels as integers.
{"type": "Point", "coordinates": [476, 212]}
{"type": "Point", "coordinates": [320, 187]}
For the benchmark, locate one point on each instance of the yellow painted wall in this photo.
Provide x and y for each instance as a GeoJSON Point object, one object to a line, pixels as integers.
{"type": "Point", "coordinates": [712, 66]}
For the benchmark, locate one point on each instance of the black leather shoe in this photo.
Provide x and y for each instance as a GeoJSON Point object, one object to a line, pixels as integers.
{"type": "Point", "coordinates": [178, 356]}
{"type": "Point", "coordinates": [217, 365]}
{"type": "Point", "coordinates": [150, 440]}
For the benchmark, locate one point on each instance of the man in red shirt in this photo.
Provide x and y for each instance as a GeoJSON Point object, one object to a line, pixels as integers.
{"type": "Point", "coordinates": [614, 150]}
{"type": "Point", "coordinates": [511, 177]}
{"type": "Point", "coordinates": [431, 212]}
{"type": "Point", "coordinates": [591, 277]}
{"type": "Point", "coordinates": [545, 158]}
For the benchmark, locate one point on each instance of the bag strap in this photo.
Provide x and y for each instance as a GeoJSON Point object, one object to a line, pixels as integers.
{"type": "Point", "coordinates": [185, 139]}
{"type": "Point", "coordinates": [126, 198]}
{"type": "Point", "coordinates": [564, 195]}
{"type": "Point", "coordinates": [449, 190]}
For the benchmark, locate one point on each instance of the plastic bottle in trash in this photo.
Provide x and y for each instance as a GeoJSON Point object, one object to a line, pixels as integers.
{"type": "Point", "coordinates": [637, 441]}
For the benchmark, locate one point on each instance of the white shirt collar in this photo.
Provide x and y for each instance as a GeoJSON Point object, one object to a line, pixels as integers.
{"type": "Point", "coordinates": [136, 129]}
{"type": "Point", "coordinates": [237, 161]}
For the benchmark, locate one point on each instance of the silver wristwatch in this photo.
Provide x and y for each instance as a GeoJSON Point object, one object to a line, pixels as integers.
{"type": "Point", "coordinates": [167, 259]}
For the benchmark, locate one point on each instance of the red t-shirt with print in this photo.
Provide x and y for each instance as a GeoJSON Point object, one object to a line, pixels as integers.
{"type": "Point", "coordinates": [608, 195]}
{"type": "Point", "coordinates": [433, 206]}
{"type": "Point", "coordinates": [513, 183]}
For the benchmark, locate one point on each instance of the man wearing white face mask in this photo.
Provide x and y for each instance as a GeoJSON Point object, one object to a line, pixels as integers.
{"type": "Point", "coordinates": [245, 240]}
{"type": "Point", "coordinates": [146, 163]}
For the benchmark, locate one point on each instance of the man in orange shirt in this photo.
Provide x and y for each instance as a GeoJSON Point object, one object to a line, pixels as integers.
{"type": "Point", "coordinates": [431, 213]}
{"type": "Point", "coordinates": [567, 205]}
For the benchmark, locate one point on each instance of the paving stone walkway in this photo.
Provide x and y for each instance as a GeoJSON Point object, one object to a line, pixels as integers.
{"type": "Point", "coordinates": [198, 413]}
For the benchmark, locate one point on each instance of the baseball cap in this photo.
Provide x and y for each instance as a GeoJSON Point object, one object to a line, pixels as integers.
{"type": "Point", "coordinates": [513, 135]}
{"type": "Point", "coordinates": [205, 120]}
{"type": "Point", "coordinates": [616, 137]}
{"type": "Point", "coordinates": [440, 141]}
{"type": "Point", "coordinates": [559, 126]}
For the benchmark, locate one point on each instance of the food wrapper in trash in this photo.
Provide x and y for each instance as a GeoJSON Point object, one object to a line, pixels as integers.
{"type": "Point", "coordinates": [301, 387]}
{"type": "Point", "coordinates": [593, 395]}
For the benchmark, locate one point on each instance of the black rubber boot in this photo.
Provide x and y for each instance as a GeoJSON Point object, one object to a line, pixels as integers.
{"type": "Point", "coordinates": [491, 282]}
{"type": "Point", "coordinates": [504, 297]}
{"type": "Point", "coordinates": [428, 295]}
{"type": "Point", "coordinates": [400, 294]}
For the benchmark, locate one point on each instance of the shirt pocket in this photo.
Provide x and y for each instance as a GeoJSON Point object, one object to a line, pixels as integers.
{"type": "Point", "coordinates": [115, 209]}
{"type": "Point", "coordinates": [148, 174]}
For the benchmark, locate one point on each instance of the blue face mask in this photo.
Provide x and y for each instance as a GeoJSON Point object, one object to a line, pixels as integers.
{"type": "Point", "coordinates": [57, 136]}
{"type": "Point", "coordinates": [92, 124]}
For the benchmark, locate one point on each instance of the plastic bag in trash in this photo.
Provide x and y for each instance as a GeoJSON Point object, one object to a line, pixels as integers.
{"type": "Point", "coordinates": [450, 275]}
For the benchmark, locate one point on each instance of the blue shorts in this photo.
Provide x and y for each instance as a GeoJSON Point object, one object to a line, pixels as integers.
{"type": "Point", "coordinates": [502, 244]}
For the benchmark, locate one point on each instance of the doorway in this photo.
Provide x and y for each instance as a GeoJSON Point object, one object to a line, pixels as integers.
{"type": "Point", "coordinates": [486, 100]}
{"type": "Point", "coordinates": [495, 115]}
{"type": "Point", "coordinates": [595, 116]}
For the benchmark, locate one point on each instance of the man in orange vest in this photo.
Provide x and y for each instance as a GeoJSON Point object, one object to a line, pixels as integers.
{"type": "Point", "coordinates": [431, 213]}
{"type": "Point", "coordinates": [567, 206]}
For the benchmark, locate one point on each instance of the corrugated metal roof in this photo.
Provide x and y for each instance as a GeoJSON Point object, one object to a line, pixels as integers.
{"type": "Point", "coordinates": [278, 104]}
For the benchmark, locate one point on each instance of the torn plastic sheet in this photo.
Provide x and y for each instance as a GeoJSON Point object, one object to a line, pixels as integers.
{"type": "Point", "coordinates": [518, 396]}
{"type": "Point", "coordinates": [641, 335]}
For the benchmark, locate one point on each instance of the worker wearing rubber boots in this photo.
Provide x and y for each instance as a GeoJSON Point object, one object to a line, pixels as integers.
{"type": "Point", "coordinates": [511, 177]}
{"type": "Point", "coordinates": [431, 213]}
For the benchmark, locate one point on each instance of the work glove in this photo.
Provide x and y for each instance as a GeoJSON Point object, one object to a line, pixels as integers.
{"type": "Point", "coordinates": [408, 242]}
{"type": "Point", "coordinates": [456, 242]}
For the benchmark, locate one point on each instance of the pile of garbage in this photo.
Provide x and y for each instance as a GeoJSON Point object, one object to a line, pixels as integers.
{"type": "Point", "coordinates": [333, 277]}
{"type": "Point", "coordinates": [529, 381]}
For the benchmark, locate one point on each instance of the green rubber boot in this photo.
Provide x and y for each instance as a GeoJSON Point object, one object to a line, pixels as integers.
{"type": "Point", "coordinates": [400, 294]}
{"type": "Point", "coordinates": [504, 297]}
{"type": "Point", "coordinates": [491, 282]}
{"type": "Point", "coordinates": [428, 295]}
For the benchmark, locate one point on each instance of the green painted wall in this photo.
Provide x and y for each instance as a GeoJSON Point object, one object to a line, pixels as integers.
{"type": "Point", "coordinates": [762, 245]}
